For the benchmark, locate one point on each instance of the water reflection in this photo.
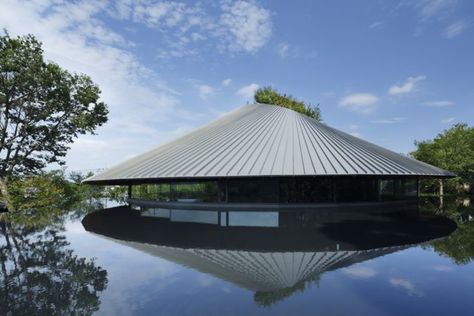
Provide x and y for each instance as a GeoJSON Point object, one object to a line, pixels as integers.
{"type": "Point", "coordinates": [459, 246]}
{"type": "Point", "coordinates": [273, 254]}
{"type": "Point", "coordinates": [41, 275]}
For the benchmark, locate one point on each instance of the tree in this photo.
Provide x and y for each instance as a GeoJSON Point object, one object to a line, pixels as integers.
{"type": "Point", "coordinates": [40, 199]}
{"type": "Point", "coordinates": [43, 108]}
{"type": "Point", "coordinates": [269, 95]}
{"type": "Point", "coordinates": [453, 150]}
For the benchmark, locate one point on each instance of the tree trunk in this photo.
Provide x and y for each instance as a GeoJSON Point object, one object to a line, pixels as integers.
{"type": "Point", "coordinates": [5, 195]}
{"type": "Point", "coordinates": [441, 194]}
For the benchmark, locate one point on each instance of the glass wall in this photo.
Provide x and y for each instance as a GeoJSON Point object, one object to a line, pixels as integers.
{"type": "Point", "coordinates": [281, 190]}
{"type": "Point", "coordinates": [253, 190]}
{"type": "Point", "coordinates": [177, 192]}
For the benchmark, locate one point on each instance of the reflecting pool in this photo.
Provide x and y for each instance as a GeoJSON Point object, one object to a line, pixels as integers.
{"type": "Point", "coordinates": [122, 261]}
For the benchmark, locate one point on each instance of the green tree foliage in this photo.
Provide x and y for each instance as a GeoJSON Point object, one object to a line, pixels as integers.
{"type": "Point", "coordinates": [37, 200]}
{"type": "Point", "coordinates": [40, 275]}
{"type": "Point", "coordinates": [268, 95]}
{"type": "Point", "coordinates": [453, 150]}
{"type": "Point", "coordinates": [459, 246]}
{"type": "Point", "coordinates": [43, 108]}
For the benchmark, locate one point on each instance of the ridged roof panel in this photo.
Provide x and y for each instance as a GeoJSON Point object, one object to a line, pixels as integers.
{"type": "Point", "coordinates": [266, 140]}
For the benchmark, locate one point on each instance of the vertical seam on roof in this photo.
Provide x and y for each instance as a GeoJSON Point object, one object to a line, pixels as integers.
{"type": "Point", "coordinates": [311, 131]}
{"type": "Point", "coordinates": [260, 138]}
{"type": "Point", "coordinates": [267, 138]}
{"type": "Point", "coordinates": [237, 140]}
{"type": "Point", "coordinates": [298, 132]}
{"type": "Point", "coordinates": [305, 134]}
{"type": "Point", "coordinates": [328, 150]}
{"type": "Point", "coordinates": [286, 147]}
{"type": "Point", "coordinates": [278, 145]}
{"type": "Point", "coordinates": [276, 134]}
{"type": "Point", "coordinates": [376, 153]}
{"type": "Point", "coordinates": [346, 156]}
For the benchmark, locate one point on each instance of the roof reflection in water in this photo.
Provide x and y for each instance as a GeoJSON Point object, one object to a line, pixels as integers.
{"type": "Point", "coordinates": [274, 260]}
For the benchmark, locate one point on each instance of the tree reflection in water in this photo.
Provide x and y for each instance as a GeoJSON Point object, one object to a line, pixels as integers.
{"type": "Point", "coordinates": [42, 276]}
{"type": "Point", "coordinates": [459, 246]}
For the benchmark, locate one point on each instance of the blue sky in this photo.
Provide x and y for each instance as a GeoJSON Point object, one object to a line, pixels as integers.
{"type": "Point", "coordinates": [391, 72]}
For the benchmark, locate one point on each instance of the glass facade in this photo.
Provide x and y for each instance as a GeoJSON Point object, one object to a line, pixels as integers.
{"type": "Point", "coordinates": [177, 192]}
{"type": "Point", "coordinates": [283, 190]}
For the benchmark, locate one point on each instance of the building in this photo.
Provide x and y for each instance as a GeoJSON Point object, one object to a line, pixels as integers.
{"type": "Point", "coordinates": [268, 154]}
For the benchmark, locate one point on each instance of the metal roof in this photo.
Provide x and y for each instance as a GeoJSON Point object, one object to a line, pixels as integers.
{"type": "Point", "coordinates": [265, 140]}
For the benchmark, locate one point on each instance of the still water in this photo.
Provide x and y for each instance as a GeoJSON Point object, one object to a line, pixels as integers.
{"type": "Point", "coordinates": [120, 261]}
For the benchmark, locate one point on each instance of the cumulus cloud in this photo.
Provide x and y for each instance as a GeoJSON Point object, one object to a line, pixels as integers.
{"type": "Point", "coordinates": [238, 26]}
{"type": "Point", "coordinates": [439, 104]}
{"type": "Point", "coordinates": [406, 87]}
{"type": "Point", "coordinates": [247, 25]}
{"type": "Point", "coordinates": [204, 91]}
{"type": "Point", "coordinates": [248, 91]}
{"type": "Point", "coordinates": [359, 102]}
{"type": "Point", "coordinates": [455, 29]}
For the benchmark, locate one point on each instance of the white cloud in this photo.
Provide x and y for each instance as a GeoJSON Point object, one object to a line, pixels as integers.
{"type": "Point", "coordinates": [442, 268]}
{"type": "Point", "coordinates": [406, 87]}
{"type": "Point", "coordinates": [247, 26]}
{"type": "Point", "coordinates": [282, 50]}
{"type": "Point", "coordinates": [359, 102]}
{"type": "Point", "coordinates": [356, 134]}
{"type": "Point", "coordinates": [407, 285]}
{"type": "Point", "coordinates": [240, 26]}
{"type": "Point", "coordinates": [448, 120]}
{"type": "Point", "coordinates": [248, 91]}
{"type": "Point", "coordinates": [75, 37]}
{"type": "Point", "coordinates": [455, 29]}
{"type": "Point", "coordinates": [439, 104]}
{"type": "Point", "coordinates": [360, 272]}
{"type": "Point", "coordinates": [392, 120]}
{"type": "Point", "coordinates": [428, 9]}
{"type": "Point", "coordinates": [375, 25]}
{"type": "Point", "coordinates": [226, 82]}
{"type": "Point", "coordinates": [204, 91]}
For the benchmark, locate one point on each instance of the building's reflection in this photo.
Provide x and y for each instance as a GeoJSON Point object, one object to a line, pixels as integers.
{"type": "Point", "coordinates": [270, 253]}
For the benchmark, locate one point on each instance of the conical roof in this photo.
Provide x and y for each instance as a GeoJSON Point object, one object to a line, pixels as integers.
{"type": "Point", "coordinates": [265, 140]}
